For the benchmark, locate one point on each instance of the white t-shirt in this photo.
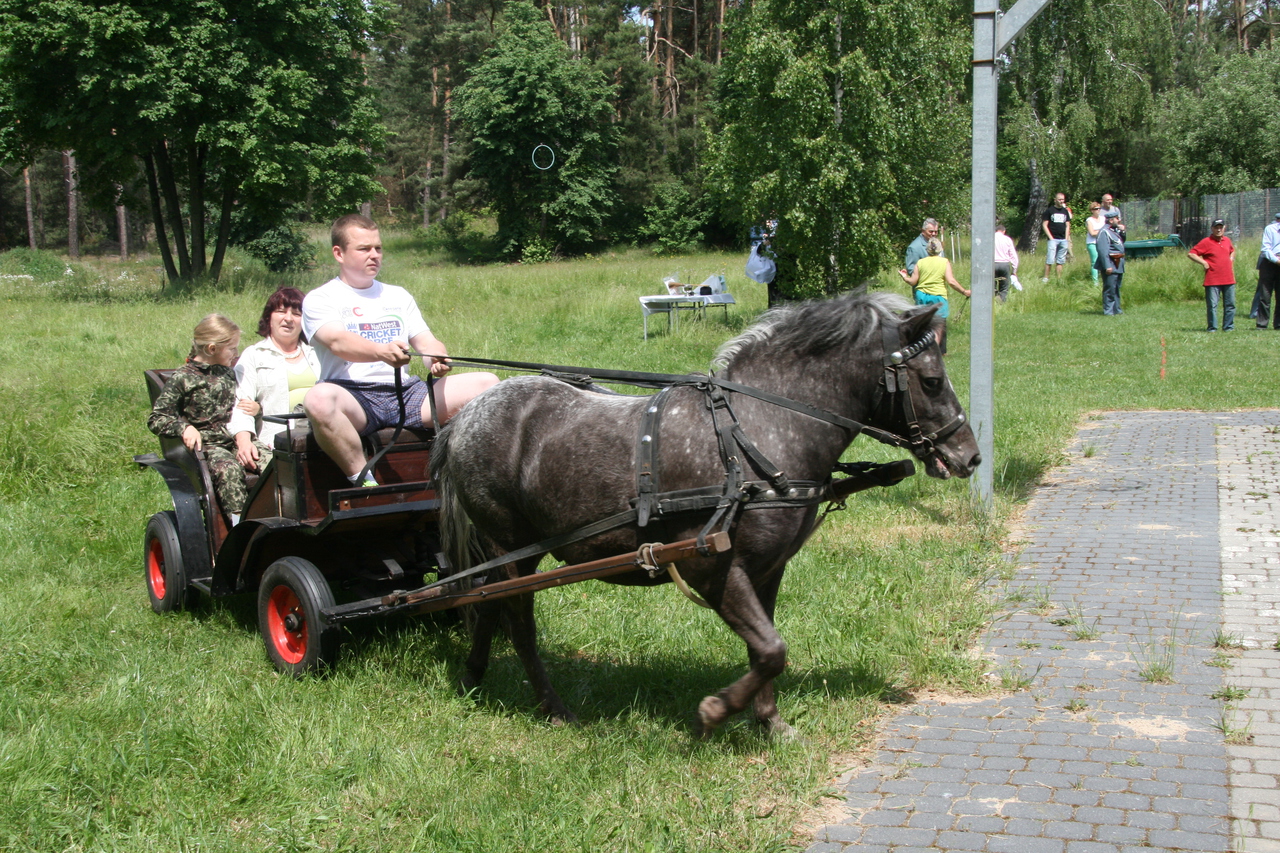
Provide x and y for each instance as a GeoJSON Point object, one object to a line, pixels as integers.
{"type": "Point", "coordinates": [1099, 222]}
{"type": "Point", "coordinates": [380, 313]}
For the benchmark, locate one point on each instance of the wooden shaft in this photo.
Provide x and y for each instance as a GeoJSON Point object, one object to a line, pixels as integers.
{"type": "Point", "coordinates": [436, 599]}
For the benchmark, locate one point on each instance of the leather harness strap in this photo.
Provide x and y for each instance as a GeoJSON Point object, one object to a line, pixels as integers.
{"type": "Point", "coordinates": [736, 493]}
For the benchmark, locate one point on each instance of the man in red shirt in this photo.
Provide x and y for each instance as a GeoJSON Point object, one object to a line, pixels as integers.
{"type": "Point", "coordinates": [1217, 255]}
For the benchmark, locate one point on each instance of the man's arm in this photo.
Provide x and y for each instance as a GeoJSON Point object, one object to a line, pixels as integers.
{"type": "Point", "coordinates": [349, 346]}
{"type": "Point", "coordinates": [1044, 225]}
{"type": "Point", "coordinates": [428, 344]}
{"type": "Point", "coordinates": [1199, 260]}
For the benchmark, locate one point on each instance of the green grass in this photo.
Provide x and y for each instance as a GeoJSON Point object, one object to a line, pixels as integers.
{"type": "Point", "coordinates": [123, 730]}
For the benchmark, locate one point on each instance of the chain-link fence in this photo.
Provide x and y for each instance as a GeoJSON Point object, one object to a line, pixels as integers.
{"type": "Point", "coordinates": [1246, 214]}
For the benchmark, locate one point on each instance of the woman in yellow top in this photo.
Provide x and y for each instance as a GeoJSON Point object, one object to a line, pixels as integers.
{"type": "Point", "coordinates": [930, 279]}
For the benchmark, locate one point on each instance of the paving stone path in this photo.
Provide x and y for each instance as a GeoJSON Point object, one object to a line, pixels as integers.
{"type": "Point", "coordinates": [1149, 559]}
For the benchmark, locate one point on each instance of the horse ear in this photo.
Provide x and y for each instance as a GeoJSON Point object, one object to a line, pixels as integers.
{"type": "Point", "coordinates": [916, 321]}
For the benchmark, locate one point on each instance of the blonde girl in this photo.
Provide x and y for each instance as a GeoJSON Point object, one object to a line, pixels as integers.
{"type": "Point", "coordinates": [195, 405]}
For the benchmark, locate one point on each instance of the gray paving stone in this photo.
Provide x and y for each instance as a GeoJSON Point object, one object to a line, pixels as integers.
{"type": "Point", "coordinates": [1142, 538]}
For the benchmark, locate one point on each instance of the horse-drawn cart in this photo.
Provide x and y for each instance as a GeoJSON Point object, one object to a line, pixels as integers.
{"type": "Point", "coordinates": [319, 553]}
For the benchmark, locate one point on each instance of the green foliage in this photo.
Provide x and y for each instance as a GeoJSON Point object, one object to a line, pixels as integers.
{"type": "Point", "coordinates": [284, 248]}
{"type": "Point", "coordinates": [1226, 137]}
{"type": "Point", "coordinates": [846, 120]}
{"type": "Point", "coordinates": [252, 104]}
{"type": "Point", "coordinates": [674, 219]}
{"type": "Point", "coordinates": [528, 91]}
{"type": "Point", "coordinates": [536, 251]}
{"type": "Point", "coordinates": [1079, 94]}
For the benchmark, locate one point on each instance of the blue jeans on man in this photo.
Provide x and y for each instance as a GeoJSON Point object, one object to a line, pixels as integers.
{"type": "Point", "coordinates": [1227, 293]}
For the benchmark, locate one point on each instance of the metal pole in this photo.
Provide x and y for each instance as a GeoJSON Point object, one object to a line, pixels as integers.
{"type": "Point", "coordinates": [982, 245]}
{"type": "Point", "coordinates": [991, 35]}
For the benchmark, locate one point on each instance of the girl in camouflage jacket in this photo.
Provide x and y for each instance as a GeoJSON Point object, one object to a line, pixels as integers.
{"type": "Point", "coordinates": [195, 405]}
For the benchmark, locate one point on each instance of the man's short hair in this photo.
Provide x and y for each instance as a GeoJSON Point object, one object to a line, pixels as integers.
{"type": "Point", "coordinates": [928, 222]}
{"type": "Point", "coordinates": [338, 233]}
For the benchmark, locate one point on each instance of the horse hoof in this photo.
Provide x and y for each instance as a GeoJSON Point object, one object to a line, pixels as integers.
{"type": "Point", "coordinates": [711, 713]}
{"type": "Point", "coordinates": [561, 717]}
{"type": "Point", "coordinates": [783, 732]}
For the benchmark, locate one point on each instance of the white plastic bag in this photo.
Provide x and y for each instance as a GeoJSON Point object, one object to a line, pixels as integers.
{"type": "Point", "coordinates": [1013, 279]}
{"type": "Point", "coordinates": [760, 268]}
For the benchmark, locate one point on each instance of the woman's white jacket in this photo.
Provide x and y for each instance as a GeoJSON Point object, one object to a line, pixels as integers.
{"type": "Point", "coordinates": [262, 375]}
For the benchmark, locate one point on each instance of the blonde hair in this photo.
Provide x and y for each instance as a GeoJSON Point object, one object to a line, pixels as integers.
{"type": "Point", "coordinates": [213, 331]}
{"type": "Point", "coordinates": [934, 246]}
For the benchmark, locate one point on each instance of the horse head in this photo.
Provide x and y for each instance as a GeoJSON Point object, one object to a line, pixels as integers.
{"type": "Point", "coordinates": [916, 403]}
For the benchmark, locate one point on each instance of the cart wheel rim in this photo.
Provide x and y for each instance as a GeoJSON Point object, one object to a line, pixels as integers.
{"type": "Point", "coordinates": [155, 569]}
{"type": "Point", "coordinates": [291, 646]}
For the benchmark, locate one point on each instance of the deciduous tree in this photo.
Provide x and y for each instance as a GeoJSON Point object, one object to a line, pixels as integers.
{"type": "Point", "coordinates": [846, 119]}
{"type": "Point", "coordinates": [528, 91]}
{"type": "Point", "coordinates": [226, 103]}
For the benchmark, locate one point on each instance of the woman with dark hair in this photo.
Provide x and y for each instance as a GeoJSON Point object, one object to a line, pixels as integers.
{"type": "Point", "coordinates": [273, 375]}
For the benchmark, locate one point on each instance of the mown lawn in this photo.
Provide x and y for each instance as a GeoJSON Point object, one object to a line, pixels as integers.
{"type": "Point", "coordinates": [124, 730]}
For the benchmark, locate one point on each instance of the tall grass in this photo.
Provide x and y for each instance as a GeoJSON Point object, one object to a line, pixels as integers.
{"type": "Point", "coordinates": [123, 730]}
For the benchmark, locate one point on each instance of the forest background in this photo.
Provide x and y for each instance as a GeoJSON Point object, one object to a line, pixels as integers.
{"type": "Point", "coordinates": [527, 130]}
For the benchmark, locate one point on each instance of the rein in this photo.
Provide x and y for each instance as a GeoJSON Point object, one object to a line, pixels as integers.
{"type": "Point", "coordinates": [736, 493]}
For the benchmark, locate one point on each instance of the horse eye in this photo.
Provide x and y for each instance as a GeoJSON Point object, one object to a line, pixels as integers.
{"type": "Point", "coordinates": [932, 384]}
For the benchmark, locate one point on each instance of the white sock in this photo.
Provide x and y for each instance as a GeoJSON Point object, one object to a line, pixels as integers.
{"type": "Point", "coordinates": [235, 519]}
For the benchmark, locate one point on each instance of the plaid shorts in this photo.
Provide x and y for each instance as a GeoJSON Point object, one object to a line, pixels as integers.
{"type": "Point", "coordinates": [381, 406]}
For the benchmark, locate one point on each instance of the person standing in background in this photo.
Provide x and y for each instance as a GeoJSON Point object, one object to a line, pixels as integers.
{"type": "Point", "coordinates": [1056, 223]}
{"type": "Point", "coordinates": [1268, 274]}
{"type": "Point", "coordinates": [1111, 263]}
{"type": "Point", "coordinates": [1217, 254]}
{"type": "Point", "coordinates": [1006, 263]}
{"type": "Point", "coordinates": [1095, 223]}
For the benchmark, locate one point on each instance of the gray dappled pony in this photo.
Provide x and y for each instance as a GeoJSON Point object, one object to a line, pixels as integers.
{"type": "Point", "coordinates": [534, 457]}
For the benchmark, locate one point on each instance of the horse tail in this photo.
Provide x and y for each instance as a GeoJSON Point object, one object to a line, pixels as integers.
{"type": "Point", "coordinates": [458, 537]}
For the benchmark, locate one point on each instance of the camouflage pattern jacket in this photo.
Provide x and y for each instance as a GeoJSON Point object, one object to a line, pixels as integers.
{"type": "Point", "coordinates": [200, 395]}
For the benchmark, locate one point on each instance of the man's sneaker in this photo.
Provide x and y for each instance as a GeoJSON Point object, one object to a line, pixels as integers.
{"type": "Point", "coordinates": [1046, 278]}
{"type": "Point", "coordinates": [369, 483]}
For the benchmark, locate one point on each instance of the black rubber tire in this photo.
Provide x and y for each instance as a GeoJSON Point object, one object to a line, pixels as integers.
{"type": "Point", "coordinates": [163, 570]}
{"type": "Point", "coordinates": [291, 599]}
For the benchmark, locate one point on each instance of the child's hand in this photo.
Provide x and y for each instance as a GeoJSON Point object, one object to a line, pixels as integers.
{"type": "Point", "coordinates": [246, 453]}
{"type": "Point", "coordinates": [191, 438]}
{"type": "Point", "coordinates": [249, 407]}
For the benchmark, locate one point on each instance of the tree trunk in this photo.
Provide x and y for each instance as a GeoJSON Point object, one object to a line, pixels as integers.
{"type": "Point", "coordinates": [157, 216]}
{"type": "Point", "coordinates": [1035, 206]}
{"type": "Point", "coordinates": [426, 195]}
{"type": "Point", "coordinates": [720, 33]}
{"type": "Point", "coordinates": [31, 208]}
{"type": "Point", "coordinates": [195, 201]}
{"type": "Point", "coordinates": [73, 204]}
{"type": "Point", "coordinates": [122, 224]}
{"type": "Point", "coordinates": [164, 170]}
{"type": "Point", "coordinates": [224, 227]}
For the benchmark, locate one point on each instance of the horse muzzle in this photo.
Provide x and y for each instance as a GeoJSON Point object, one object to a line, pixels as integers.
{"type": "Point", "coordinates": [957, 457]}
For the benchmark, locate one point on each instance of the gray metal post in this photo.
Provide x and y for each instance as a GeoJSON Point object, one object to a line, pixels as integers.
{"type": "Point", "coordinates": [982, 251]}
{"type": "Point", "coordinates": [991, 35]}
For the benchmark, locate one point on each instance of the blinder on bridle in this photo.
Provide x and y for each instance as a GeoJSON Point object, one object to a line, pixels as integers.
{"type": "Point", "coordinates": [895, 390]}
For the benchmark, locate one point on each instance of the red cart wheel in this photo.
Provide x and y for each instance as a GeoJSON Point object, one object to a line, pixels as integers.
{"type": "Point", "coordinates": [291, 602]}
{"type": "Point", "coordinates": [162, 566]}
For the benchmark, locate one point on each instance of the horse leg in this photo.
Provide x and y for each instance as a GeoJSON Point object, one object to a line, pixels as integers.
{"type": "Point", "coordinates": [766, 707]}
{"type": "Point", "coordinates": [742, 611]}
{"type": "Point", "coordinates": [523, 631]}
{"type": "Point", "coordinates": [486, 621]}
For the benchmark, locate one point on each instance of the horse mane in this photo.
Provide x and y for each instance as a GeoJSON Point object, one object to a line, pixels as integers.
{"type": "Point", "coordinates": [810, 328]}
